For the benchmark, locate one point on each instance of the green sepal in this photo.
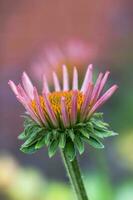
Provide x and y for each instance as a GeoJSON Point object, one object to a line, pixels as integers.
{"type": "Point", "coordinates": [84, 132]}
{"type": "Point", "coordinates": [98, 116]}
{"type": "Point", "coordinates": [55, 133]}
{"type": "Point", "coordinates": [94, 142]}
{"type": "Point", "coordinates": [40, 143]}
{"type": "Point", "coordinates": [62, 140]}
{"type": "Point", "coordinates": [53, 148]}
{"type": "Point", "coordinates": [29, 150]}
{"type": "Point", "coordinates": [22, 136]}
{"type": "Point", "coordinates": [79, 144]}
{"type": "Point", "coordinates": [48, 138]}
{"type": "Point", "coordinates": [71, 134]}
{"type": "Point", "coordinates": [90, 127]}
{"type": "Point", "coordinates": [34, 136]}
{"type": "Point", "coordinates": [68, 139]}
{"type": "Point", "coordinates": [70, 150]}
{"type": "Point", "coordinates": [105, 133]}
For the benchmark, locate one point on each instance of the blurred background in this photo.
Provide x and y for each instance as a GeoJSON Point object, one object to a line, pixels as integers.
{"type": "Point", "coordinates": [38, 36]}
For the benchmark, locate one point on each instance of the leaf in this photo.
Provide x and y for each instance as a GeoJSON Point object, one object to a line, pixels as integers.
{"type": "Point", "coordinates": [106, 133]}
{"type": "Point", "coordinates": [48, 138]}
{"type": "Point", "coordinates": [90, 127]}
{"type": "Point", "coordinates": [55, 134]}
{"type": "Point", "coordinates": [29, 122]}
{"type": "Point", "coordinates": [100, 125]}
{"type": "Point", "coordinates": [79, 144]}
{"type": "Point", "coordinates": [98, 116]}
{"type": "Point", "coordinates": [94, 142]}
{"type": "Point", "coordinates": [84, 132]}
{"type": "Point", "coordinates": [70, 150]}
{"type": "Point", "coordinates": [22, 136]}
{"type": "Point", "coordinates": [34, 136]}
{"type": "Point", "coordinates": [29, 150]}
{"type": "Point", "coordinates": [62, 140]}
{"type": "Point", "coordinates": [71, 134]}
{"type": "Point", "coordinates": [80, 124]}
{"type": "Point", "coordinates": [40, 143]}
{"type": "Point", "coordinates": [53, 148]}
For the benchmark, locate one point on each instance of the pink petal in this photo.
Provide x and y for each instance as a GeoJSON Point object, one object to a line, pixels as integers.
{"type": "Point", "coordinates": [65, 78]}
{"type": "Point", "coordinates": [39, 108]}
{"type": "Point", "coordinates": [23, 99]}
{"type": "Point", "coordinates": [27, 85]}
{"type": "Point", "coordinates": [23, 94]}
{"type": "Point", "coordinates": [103, 82]}
{"type": "Point", "coordinates": [74, 107]}
{"type": "Point", "coordinates": [96, 88]}
{"type": "Point", "coordinates": [56, 82]}
{"type": "Point", "coordinates": [87, 79]}
{"type": "Point", "coordinates": [32, 113]}
{"type": "Point", "coordinates": [65, 116]}
{"type": "Point", "coordinates": [50, 110]}
{"type": "Point", "coordinates": [85, 105]}
{"type": "Point", "coordinates": [103, 99]}
{"type": "Point", "coordinates": [75, 79]}
{"type": "Point", "coordinates": [45, 85]}
{"type": "Point", "coordinates": [13, 87]}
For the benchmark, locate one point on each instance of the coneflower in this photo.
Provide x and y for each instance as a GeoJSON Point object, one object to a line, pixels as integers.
{"type": "Point", "coordinates": [65, 117]}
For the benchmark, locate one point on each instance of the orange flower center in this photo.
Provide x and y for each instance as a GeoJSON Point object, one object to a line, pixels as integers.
{"type": "Point", "coordinates": [55, 101]}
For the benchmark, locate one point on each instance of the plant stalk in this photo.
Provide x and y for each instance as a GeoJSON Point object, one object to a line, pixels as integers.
{"type": "Point", "coordinates": [74, 174]}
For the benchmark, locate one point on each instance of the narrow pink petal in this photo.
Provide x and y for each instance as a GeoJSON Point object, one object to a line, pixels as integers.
{"type": "Point", "coordinates": [13, 87]}
{"type": "Point", "coordinates": [56, 82]}
{"type": "Point", "coordinates": [65, 116]}
{"type": "Point", "coordinates": [23, 99]}
{"type": "Point", "coordinates": [65, 78]}
{"type": "Point", "coordinates": [74, 108]}
{"type": "Point", "coordinates": [50, 110]}
{"type": "Point", "coordinates": [75, 79]}
{"type": "Point", "coordinates": [103, 82]}
{"type": "Point", "coordinates": [23, 94]}
{"type": "Point", "coordinates": [32, 113]}
{"type": "Point", "coordinates": [85, 105]}
{"type": "Point", "coordinates": [39, 108]}
{"type": "Point", "coordinates": [103, 99]}
{"type": "Point", "coordinates": [88, 78]}
{"type": "Point", "coordinates": [96, 88]}
{"type": "Point", "coordinates": [45, 85]}
{"type": "Point", "coordinates": [27, 85]}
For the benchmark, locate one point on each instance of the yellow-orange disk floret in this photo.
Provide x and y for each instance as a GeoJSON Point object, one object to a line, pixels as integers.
{"type": "Point", "coordinates": [55, 100]}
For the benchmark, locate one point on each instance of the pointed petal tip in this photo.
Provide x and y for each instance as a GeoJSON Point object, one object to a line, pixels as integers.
{"type": "Point", "coordinates": [24, 73]}
{"type": "Point", "coordinates": [88, 78]}
{"type": "Point", "coordinates": [45, 84]}
{"type": "Point", "coordinates": [25, 76]}
{"type": "Point", "coordinates": [64, 65]}
{"type": "Point", "coordinates": [90, 66]}
{"type": "Point", "coordinates": [56, 81]}
{"type": "Point", "coordinates": [65, 78]}
{"type": "Point", "coordinates": [75, 78]}
{"type": "Point", "coordinates": [108, 72]}
{"type": "Point", "coordinates": [13, 87]}
{"type": "Point", "coordinates": [115, 87]}
{"type": "Point", "coordinates": [10, 82]}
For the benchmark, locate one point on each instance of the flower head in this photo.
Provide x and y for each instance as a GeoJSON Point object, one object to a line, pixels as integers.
{"type": "Point", "coordinates": [64, 117]}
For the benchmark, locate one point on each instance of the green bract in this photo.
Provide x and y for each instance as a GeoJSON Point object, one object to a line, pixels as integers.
{"type": "Point", "coordinates": [68, 139]}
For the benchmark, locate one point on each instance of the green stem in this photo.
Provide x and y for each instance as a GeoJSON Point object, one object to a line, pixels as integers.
{"type": "Point", "coordinates": [75, 177]}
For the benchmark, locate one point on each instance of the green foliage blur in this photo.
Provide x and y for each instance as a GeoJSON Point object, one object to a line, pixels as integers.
{"type": "Point", "coordinates": [18, 183]}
